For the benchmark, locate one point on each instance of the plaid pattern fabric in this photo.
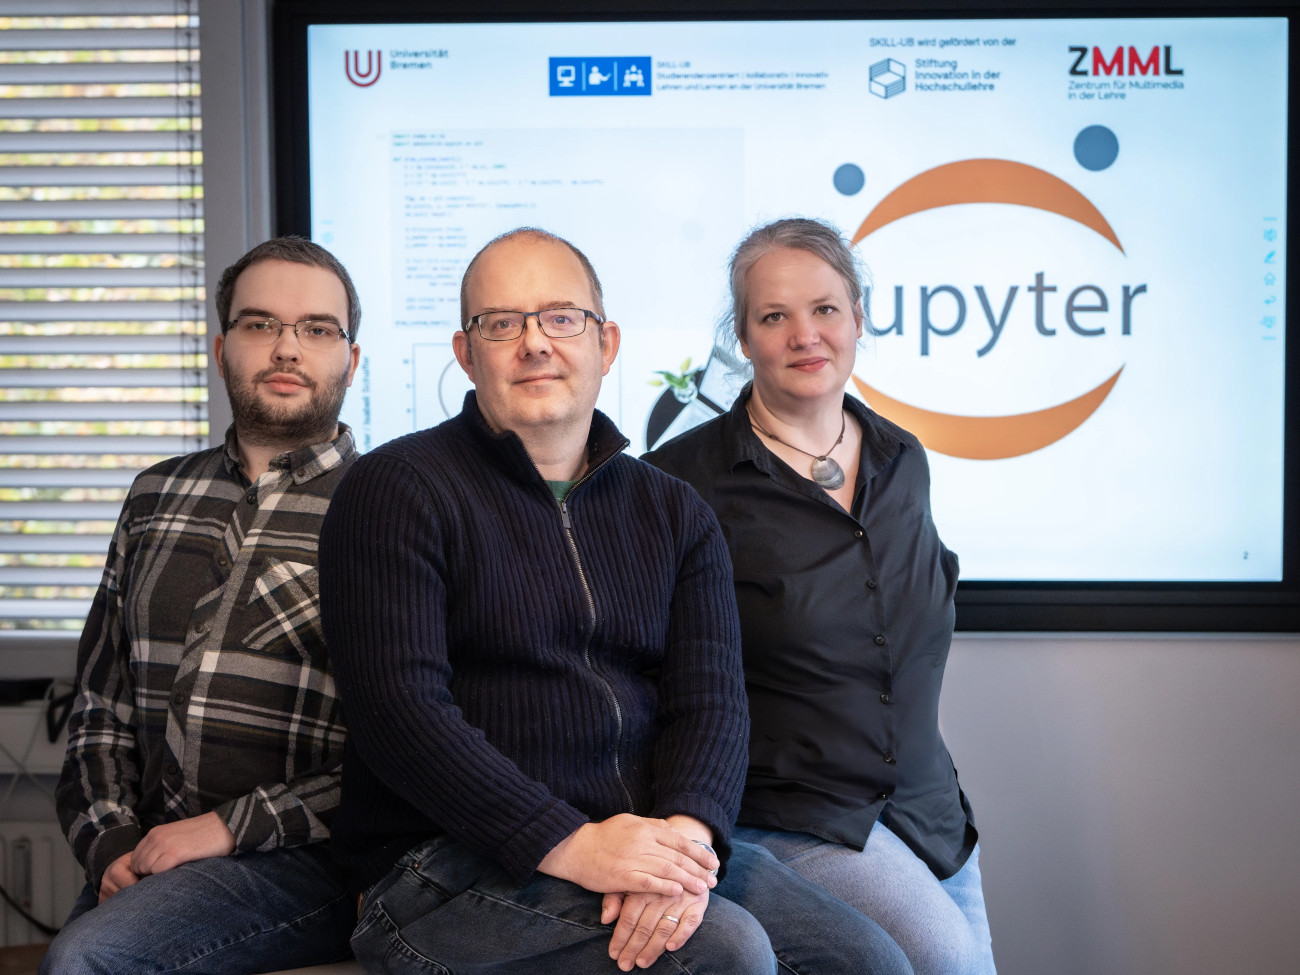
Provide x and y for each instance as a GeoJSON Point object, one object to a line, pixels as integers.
{"type": "Point", "coordinates": [203, 679]}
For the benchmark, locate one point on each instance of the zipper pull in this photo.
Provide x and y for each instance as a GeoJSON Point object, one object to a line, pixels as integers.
{"type": "Point", "coordinates": [564, 516]}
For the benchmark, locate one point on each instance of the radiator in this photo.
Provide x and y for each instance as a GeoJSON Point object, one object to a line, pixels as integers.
{"type": "Point", "coordinates": [38, 871]}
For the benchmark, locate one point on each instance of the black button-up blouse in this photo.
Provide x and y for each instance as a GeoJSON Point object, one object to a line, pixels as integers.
{"type": "Point", "coordinates": [846, 618]}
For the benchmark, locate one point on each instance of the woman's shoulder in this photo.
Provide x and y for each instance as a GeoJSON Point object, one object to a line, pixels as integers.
{"type": "Point", "coordinates": [882, 433]}
{"type": "Point", "coordinates": [699, 451]}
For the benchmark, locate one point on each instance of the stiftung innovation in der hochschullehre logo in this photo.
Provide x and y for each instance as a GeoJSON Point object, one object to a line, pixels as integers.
{"type": "Point", "coordinates": [887, 78]}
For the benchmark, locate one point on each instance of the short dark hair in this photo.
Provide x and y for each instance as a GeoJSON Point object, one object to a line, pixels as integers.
{"type": "Point", "coordinates": [531, 233]}
{"type": "Point", "coordinates": [298, 250]}
{"type": "Point", "coordinates": [797, 233]}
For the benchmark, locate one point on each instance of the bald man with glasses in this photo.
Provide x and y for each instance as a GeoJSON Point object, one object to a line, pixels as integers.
{"type": "Point", "coordinates": [536, 639]}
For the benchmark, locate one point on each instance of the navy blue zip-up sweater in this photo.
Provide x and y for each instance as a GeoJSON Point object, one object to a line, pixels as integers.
{"type": "Point", "coordinates": [512, 667]}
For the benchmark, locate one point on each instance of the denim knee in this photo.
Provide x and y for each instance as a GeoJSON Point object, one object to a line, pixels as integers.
{"type": "Point", "coordinates": [952, 953]}
{"type": "Point", "coordinates": [734, 942]}
{"type": "Point", "coordinates": [75, 953]}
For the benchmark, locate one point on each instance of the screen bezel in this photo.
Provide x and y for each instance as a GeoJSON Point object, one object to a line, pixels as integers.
{"type": "Point", "coordinates": [981, 606]}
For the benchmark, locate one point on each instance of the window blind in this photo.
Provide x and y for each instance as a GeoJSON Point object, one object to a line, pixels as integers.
{"type": "Point", "coordinates": [102, 331]}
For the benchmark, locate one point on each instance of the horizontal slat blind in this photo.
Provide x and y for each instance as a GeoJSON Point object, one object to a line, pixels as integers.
{"type": "Point", "coordinates": [102, 334]}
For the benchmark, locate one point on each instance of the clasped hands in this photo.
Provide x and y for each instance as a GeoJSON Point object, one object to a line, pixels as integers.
{"type": "Point", "coordinates": [654, 874]}
{"type": "Point", "coordinates": [167, 846]}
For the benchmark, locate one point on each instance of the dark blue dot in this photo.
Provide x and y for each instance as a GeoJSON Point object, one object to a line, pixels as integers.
{"type": "Point", "coordinates": [849, 179]}
{"type": "Point", "coordinates": [1096, 147]}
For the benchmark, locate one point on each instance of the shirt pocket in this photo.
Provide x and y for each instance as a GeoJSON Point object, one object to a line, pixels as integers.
{"type": "Point", "coordinates": [286, 599]}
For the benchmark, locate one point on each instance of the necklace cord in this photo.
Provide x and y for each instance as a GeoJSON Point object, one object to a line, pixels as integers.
{"type": "Point", "coordinates": [768, 433]}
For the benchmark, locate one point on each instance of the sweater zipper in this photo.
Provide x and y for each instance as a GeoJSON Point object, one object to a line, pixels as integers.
{"type": "Point", "coordinates": [586, 650]}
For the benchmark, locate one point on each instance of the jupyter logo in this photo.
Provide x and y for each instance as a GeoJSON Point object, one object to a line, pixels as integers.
{"type": "Point", "coordinates": [998, 181]}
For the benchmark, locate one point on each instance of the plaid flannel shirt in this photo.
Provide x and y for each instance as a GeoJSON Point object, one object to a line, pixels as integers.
{"type": "Point", "coordinates": [203, 678]}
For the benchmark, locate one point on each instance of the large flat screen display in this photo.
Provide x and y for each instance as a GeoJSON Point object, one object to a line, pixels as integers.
{"type": "Point", "coordinates": [1074, 231]}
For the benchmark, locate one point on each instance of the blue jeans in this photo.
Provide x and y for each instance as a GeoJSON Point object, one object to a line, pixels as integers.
{"type": "Point", "coordinates": [811, 931]}
{"type": "Point", "coordinates": [443, 909]}
{"type": "Point", "coordinates": [942, 926]}
{"type": "Point", "coordinates": [258, 912]}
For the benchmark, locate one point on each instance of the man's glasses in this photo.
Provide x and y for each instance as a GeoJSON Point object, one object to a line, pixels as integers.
{"type": "Point", "coordinates": [266, 331]}
{"type": "Point", "coordinates": [555, 323]}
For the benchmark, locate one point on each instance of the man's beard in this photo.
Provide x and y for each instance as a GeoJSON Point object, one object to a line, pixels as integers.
{"type": "Point", "coordinates": [283, 424]}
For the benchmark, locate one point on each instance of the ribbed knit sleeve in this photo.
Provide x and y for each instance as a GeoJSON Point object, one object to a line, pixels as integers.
{"type": "Point", "coordinates": [701, 753]}
{"type": "Point", "coordinates": [384, 594]}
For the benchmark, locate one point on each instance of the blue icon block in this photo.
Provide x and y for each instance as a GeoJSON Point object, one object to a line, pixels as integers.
{"type": "Point", "coordinates": [887, 78]}
{"type": "Point", "coordinates": [600, 76]}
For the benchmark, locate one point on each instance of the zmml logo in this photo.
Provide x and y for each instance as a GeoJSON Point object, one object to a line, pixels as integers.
{"type": "Point", "coordinates": [1117, 64]}
{"type": "Point", "coordinates": [352, 67]}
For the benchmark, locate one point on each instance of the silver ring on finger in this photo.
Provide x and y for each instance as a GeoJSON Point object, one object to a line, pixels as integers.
{"type": "Point", "coordinates": [675, 920]}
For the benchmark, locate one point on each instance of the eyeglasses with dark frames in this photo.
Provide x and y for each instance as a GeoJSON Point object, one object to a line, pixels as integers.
{"type": "Point", "coordinates": [555, 323]}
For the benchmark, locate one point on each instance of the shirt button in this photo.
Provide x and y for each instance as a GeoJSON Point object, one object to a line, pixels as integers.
{"type": "Point", "coordinates": [179, 697]}
{"type": "Point", "coordinates": [222, 561]}
{"type": "Point", "coordinates": [172, 770]}
{"type": "Point", "coordinates": [882, 795]}
{"type": "Point", "coordinates": [880, 640]}
{"type": "Point", "coordinates": [889, 758]}
{"type": "Point", "coordinates": [871, 583]}
{"type": "Point", "coordinates": [858, 533]}
{"type": "Point", "coordinates": [252, 497]}
{"type": "Point", "coordinates": [886, 698]}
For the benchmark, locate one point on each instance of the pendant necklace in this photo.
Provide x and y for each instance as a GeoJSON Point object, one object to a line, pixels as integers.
{"type": "Point", "coordinates": [826, 473]}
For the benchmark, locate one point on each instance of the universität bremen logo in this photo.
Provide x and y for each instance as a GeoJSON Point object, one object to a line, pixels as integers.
{"type": "Point", "coordinates": [362, 77]}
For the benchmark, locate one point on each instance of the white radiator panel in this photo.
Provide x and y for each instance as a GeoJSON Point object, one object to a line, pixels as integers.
{"type": "Point", "coordinates": [38, 871]}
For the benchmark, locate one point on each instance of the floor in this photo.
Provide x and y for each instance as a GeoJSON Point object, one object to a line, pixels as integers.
{"type": "Point", "coordinates": [21, 960]}
{"type": "Point", "coordinates": [26, 959]}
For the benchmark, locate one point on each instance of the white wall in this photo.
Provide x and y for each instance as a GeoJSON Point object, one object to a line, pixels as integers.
{"type": "Point", "coordinates": [237, 141]}
{"type": "Point", "coordinates": [1138, 796]}
{"type": "Point", "coordinates": [1138, 799]}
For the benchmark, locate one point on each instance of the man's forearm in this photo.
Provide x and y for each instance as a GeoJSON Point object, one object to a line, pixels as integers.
{"type": "Point", "coordinates": [98, 790]}
{"type": "Point", "coordinates": [284, 814]}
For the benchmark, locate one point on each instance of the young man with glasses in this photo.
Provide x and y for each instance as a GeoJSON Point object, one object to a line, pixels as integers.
{"type": "Point", "coordinates": [204, 746]}
{"type": "Point", "coordinates": [536, 638]}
